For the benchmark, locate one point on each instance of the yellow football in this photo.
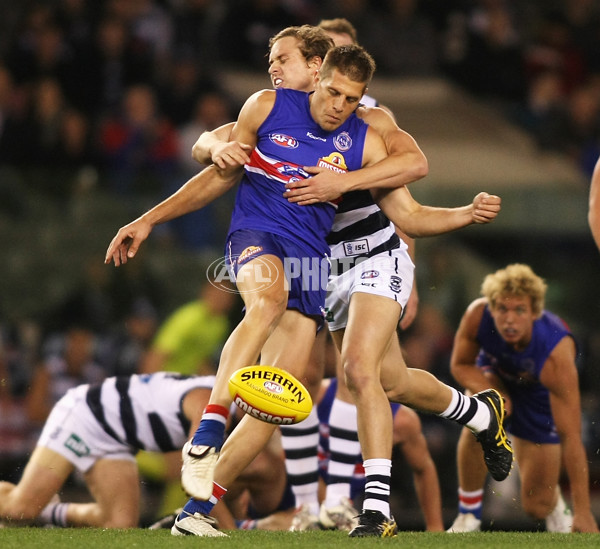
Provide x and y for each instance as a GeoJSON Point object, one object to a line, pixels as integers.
{"type": "Point", "coordinates": [270, 394]}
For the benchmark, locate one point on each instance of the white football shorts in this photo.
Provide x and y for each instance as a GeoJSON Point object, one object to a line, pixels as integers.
{"type": "Point", "coordinates": [388, 274]}
{"type": "Point", "coordinates": [72, 431]}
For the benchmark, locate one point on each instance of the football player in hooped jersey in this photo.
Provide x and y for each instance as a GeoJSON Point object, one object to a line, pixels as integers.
{"type": "Point", "coordinates": [265, 232]}
{"type": "Point", "coordinates": [294, 61]}
{"type": "Point", "coordinates": [97, 430]}
{"type": "Point", "coordinates": [508, 341]}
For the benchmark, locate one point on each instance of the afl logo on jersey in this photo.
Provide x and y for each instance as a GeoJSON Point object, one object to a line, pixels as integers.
{"type": "Point", "coordinates": [284, 140]}
{"type": "Point", "coordinates": [342, 142]}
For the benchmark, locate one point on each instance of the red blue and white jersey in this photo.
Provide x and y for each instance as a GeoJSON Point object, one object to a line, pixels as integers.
{"type": "Point", "coordinates": [531, 418]}
{"type": "Point", "coordinates": [288, 140]}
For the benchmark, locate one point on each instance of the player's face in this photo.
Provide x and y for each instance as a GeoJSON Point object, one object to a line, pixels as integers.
{"type": "Point", "coordinates": [288, 68]}
{"type": "Point", "coordinates": [336, 97]}
{"type": "Point", "coordinates": [514, 319]}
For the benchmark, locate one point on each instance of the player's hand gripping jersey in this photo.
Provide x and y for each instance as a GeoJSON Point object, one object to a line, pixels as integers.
{"type": "Point", "coordinates": [288, 140]}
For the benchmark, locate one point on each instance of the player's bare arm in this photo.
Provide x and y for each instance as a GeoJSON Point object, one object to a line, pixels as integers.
{"type": "Point", "coordinates": [214, 147]}
{"type": "Point", "coordinates": [559, 376]}
{"type": "Point", "coordinates": [406, 163]}
{"type": "Point", "coordinates": [466, 348]}
{"type": "Point", "coordinates": [594, 204]}
{"type": "Point", "coordinates": [196, 193]}
{"type": "Point", "coordinates": [417, 220]}
{"type": "Point", "coordinates": [199, 191]}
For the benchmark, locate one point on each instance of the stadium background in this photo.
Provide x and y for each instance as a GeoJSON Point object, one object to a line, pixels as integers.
{"type": "Point", "coordinates": [501, 96]}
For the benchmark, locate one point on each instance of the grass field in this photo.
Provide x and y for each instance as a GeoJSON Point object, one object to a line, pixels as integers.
{"type": "Point", "coordinates": [21, 538]}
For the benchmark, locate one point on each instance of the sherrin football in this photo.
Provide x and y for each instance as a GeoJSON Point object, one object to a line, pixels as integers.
{"type": "Point", "coordinates": [270, 394]}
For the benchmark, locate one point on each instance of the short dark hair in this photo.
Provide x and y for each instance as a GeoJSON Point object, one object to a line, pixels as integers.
{"type": "Point", "coordinates": [339, 26]}
{"type": "Point", "coordinates": [313, 41]}
{"type": "Point", "coordinates": [352, 61]}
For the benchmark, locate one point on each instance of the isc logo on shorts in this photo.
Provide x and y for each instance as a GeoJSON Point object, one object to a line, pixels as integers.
{"type": "Point", "coordinates": [356, 247]}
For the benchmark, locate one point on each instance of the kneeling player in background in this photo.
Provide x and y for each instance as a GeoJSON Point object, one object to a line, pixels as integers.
{"type": "Point", "coordinates": [97, 430]}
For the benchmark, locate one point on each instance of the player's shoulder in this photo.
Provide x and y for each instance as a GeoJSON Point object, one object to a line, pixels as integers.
{"type": "Point", "coordinates": [474, 311]}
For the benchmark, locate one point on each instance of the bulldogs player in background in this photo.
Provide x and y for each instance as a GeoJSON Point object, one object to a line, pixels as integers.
{"type": "Point", "coordinates": [292, 62]}
{"type": "Point", "coordinates": [507, 340]}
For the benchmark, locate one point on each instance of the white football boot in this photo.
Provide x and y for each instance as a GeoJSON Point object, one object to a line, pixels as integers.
{"type": "Point", "coordinates": [560, 519]}
{"type": "Point", "coordinates": [304, 520]}
{"type": "Point", "coordinates": [340, 517]}
{"type": "Point", "coordinates": [198, 470]}
{"type": "Point", "coordinates": [465, 522]}
{"type": "Point", "coordinates": [196, 525]}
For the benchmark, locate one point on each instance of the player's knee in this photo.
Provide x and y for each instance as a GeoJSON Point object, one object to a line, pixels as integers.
{"type": "Point", "coordinates": [356, 376]}
{"type": "Point", "coordinates": [537, 507]}
{"type": "Point", "coordinates": [126, 519]}
{"type": "Point", "coordinates": [266, 309]}
{"type": "Point", "coordinates": [19, 510]}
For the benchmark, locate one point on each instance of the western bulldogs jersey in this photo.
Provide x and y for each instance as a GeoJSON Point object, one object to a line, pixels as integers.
{"type": "Point", "coordinates": [289, 139]}
{"type": "Point", "coordinates": [144, 411]}
{"type": "Point", "coordinates": [520, 371]}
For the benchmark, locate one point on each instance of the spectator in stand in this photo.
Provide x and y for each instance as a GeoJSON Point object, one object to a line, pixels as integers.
{"type": "Point", "coordinates": [203, 229]}
{"type": "Point", "coordinates": [246, 29]}
{"type": "Point", "coordinates": [180, 88]}
{"type": "Point", "coordinates": [138, 146]}
{"type": "Point", "coordinates": [67, 360]}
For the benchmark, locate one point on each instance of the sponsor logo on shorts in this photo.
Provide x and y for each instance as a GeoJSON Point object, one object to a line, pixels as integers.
{"type": "Point", "coordinates": [342, 142]}
{"type": "Point", "coordinates": [356, 247]}
{"type": "Point", "coordinates": [328, 314]}
{"type": "Point", "coordinates": [77, 446]}
{"type": "Point", "coordinates": [284, 140]}
{"type": "Point", "coordinates": [248, 252]}
{"type": "Point", "coordinates": [370, 274]}
{"type": "Point", "coordinates": [395, 284]}
{"type": "Point", "coordinates": [369, 284]}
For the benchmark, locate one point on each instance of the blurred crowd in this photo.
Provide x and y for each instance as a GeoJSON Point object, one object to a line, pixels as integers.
{"type": "Point", "coordinates": [113, 93]}
{"type": "Point", "coordinates": [125, 86]}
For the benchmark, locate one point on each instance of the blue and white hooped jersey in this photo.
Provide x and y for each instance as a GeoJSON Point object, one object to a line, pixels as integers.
{"type": "Point", "coordinates": [288, 140]}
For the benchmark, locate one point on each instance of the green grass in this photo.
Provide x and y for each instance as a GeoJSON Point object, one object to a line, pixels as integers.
{"type": "Point", "coordinates": [22, 538]}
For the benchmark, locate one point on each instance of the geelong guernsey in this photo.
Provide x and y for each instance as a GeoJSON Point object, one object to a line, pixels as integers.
{"type": "Point", "coordinates": [287, 140]}
{"type": "Point", "coordinates": [360, 228]}
{"type": "Point", "coordinates": [144, 411]}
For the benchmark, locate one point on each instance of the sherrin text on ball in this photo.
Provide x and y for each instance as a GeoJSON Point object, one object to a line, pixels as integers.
{"type": "Point", "coordinates": [270, 394]}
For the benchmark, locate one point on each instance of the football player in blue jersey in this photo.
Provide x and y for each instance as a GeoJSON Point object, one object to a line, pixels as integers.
{"type": "Point", "coordinates": [293, 62]}
{"type": "Point", "coordinates": [508, 341]}
{"type": "Point", "coordinates": [267, 230]}
{"type": "Point", "coordinates": [287, 58]}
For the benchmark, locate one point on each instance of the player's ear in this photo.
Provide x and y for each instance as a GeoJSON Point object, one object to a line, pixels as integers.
{"type": "Point", "coordinates": [315, 62]}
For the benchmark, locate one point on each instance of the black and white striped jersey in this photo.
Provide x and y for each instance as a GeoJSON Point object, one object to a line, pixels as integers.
{"type": "Point", "coordinates": [144, 411]}
{"type": "Point", "coordinates": [360, 229]}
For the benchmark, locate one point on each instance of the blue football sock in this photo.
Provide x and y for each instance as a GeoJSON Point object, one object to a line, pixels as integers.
{"type": "Point", "coordinates": [209, 433]}
{"type": "Point", "coordinates": [198, 506]}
